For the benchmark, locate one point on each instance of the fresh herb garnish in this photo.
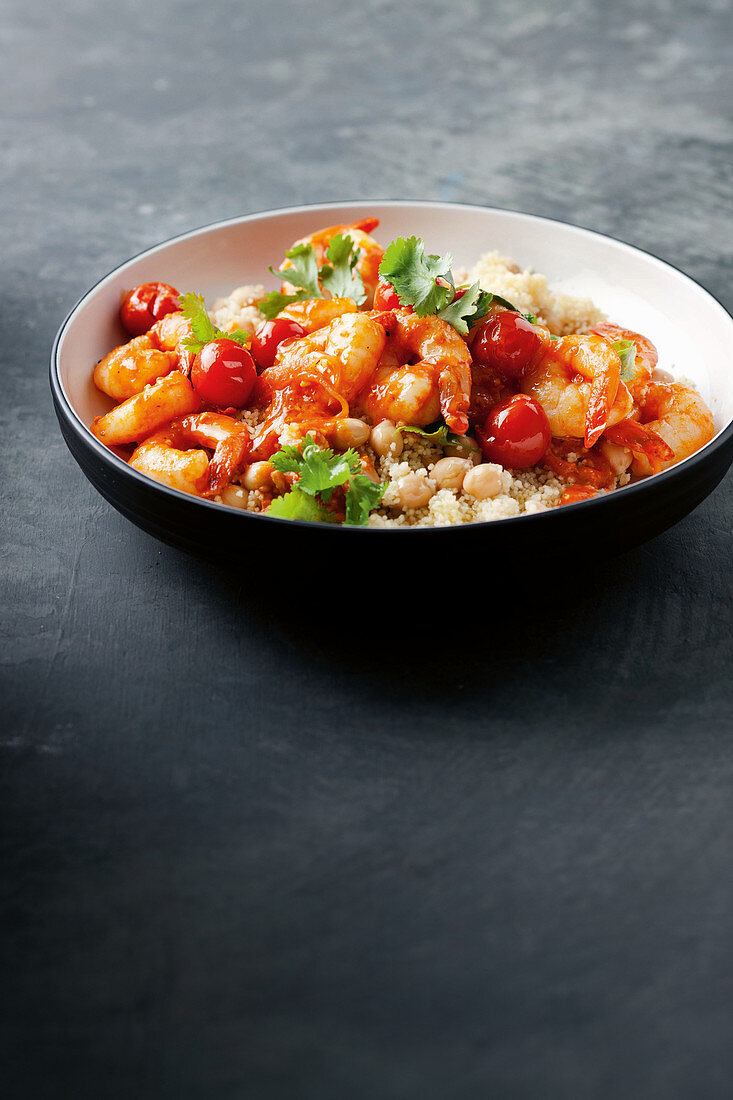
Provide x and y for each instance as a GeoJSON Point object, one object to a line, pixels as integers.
{"type": "Point", "coordinates": [338, 277]}
{"type": "Point", "coordinates": [626, 351]}
{"type": "Point", "coordinates": [426, 283]}
{"type": "Point", "coordinates": [299, 505]}
{"type": "Point", "coordinates": [439, 434]}
{"type": "Point", "coordinates": [320, 471]}
{"type": "Point", "coordinates": [203, 328]}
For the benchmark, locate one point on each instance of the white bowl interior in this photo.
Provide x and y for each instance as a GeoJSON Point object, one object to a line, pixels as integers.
{"type": "Point", "coordinates": [692, 331]}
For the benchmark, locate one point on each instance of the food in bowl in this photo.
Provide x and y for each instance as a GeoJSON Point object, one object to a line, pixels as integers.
{"type": "Point", "coordinates": [377, 387]}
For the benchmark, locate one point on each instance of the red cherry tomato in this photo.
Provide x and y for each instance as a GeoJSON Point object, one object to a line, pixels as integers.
{"type": "Point", "coordinates": [223, 374]}
{"type": "Point", "coordinates": [268, 337]}
{"type": "Point", "coordinates": [507, 342]}
{"type": "Point", "coordinates": [146, 304]}
{"type": "Point", "coordinates": [516, 433]}
{"type": "Point", "coordinates": [385, 296]}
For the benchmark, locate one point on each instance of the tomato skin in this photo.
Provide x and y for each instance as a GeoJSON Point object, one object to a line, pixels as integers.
{"type": "Point", "coordinates": [516, 433]}
{"type": "Point", "coordinates": [146, 304]}
{"type": "Point", "coordinates": [223, 374]}
{"type": "Point", "coordinates": [507, 342]}
{"type": "Point", "coordinates": [385, 296]}
{"type": "Point", "coordinates": [269, 335]}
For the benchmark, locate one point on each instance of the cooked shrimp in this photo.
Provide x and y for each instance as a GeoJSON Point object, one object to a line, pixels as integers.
{"type": "Point", "coordinates": [647, 356]}
{"type": "Point", "coordinates": [675, 423]}
{"type": "Point", "coordinates": [315, 379]}
{"type": "Point", "coordinates": [175, 456]}
{"type": "Point", "coordinates": [139, 416]}
{"type": "Point", "coordinates": [370, 256]}
{"type": "Point", "coordinates": [577, 381]}
{"type": "Point", "coordinates": [131, 367]}
{"type": "Point", "coordinates": [315, 313]}
{"type": "Point", "coordinates": [418, 392]}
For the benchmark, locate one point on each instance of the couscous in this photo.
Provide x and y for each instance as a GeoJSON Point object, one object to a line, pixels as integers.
{"type": "Point", "coordinates": [378, 387]}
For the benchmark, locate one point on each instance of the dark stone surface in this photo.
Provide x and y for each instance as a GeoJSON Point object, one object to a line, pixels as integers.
{"type": "Point", "coordinates": [253, 849]}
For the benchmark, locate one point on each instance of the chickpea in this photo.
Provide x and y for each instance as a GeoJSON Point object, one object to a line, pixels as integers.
{"type": "Point", "coordinates": [385, 439]}
{"type": "Point", "coordinates": [470, 452]}
{"type": "Point", "coordinates": [414, 491]}
{"type": "Point", "coordinates": [351, 433]}
{"type": "Point", "coordinates": [483, 481]}
{"type": "Point", "coordinates": [235, 496]}
{"type": "Point", "coordinates": [448, 473]}
{"type": "Point", "coordinates": [258, 476]}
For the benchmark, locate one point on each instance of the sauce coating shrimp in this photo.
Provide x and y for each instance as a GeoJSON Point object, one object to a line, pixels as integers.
{"type": "Point", "coordinates": [674, 423]}
{"type": "Point", "coordinates": [359, 232]}
{"type": "Point", "coordinates": [577, 381]}
{"type": "Point", "coordinates": [177, 455]}
{"type": "Point", "coordinates": [318, 376]}
{"type": "Point", "coordinates": [315, 313]}
{"type": "Point", "coordinates": [143, 413]}
{"type": "Point", "coordinates": [647, 356]}
{"type": "Point", "coordinates": [129, 368]}
{"type": "Point", "coordinates": [438, 381]}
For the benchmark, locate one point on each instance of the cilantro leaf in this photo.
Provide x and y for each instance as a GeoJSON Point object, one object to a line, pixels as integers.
{"type": "Point", "coordinates": [203, 329]}
{"type": "Point", "coordinates": [319, 469]}
{"type": "Point", "coordinates": [362, 497]}
{"type": "Point", "coordinates": [626, 351]}
{"type": "Point", "coordinates": [303, 271]}
{"type": "Point", "coordinates": [413, 275]}
{"type": "Point", "coordinates": [340, 277]}
{"type": "Point", "coordinates": [467, 309]}
{"type": "Point", "coordinates": [275, 302]}
{"type": "Point", "coordinates": [439, 434]}
{"type": "Point", "coordinates": [298, 505]}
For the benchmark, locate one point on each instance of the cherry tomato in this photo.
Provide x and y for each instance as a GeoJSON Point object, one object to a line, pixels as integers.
{"type": "Point", "coordinates": [506, 341]}
{"type": "Point", "coordinates": [223, 374]}
{"type": "Point", "coordinates": [516, 433]}
{"type": "Point", "coordinates": [146, 304]}
{"type": "Point", "coordinates": [574, 493]}
{"type": "Point", "coordinates": [385, 296]}
{"type": "Point", "coordinates": [268, 337]}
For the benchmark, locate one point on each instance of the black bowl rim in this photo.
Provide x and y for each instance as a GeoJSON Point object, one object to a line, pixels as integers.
{"type": "Point", "coordinates": [64, 407]}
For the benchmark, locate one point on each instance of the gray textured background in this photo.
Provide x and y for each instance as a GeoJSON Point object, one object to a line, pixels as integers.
{"type": "Point", "coordinates": [244, 855]}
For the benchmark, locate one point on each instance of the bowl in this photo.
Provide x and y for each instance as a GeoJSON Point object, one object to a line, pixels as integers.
{"type": "Point", "coordinates": [692, 331]}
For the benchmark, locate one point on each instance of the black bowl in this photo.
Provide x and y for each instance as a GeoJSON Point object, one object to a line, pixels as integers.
{"type": "Point", "coordinates": [215, 258]}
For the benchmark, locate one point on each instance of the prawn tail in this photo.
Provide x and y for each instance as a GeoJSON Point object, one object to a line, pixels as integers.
{"type": "Point", "coordinates": [641, 440]}
{"type": "Point", "coordinates": [366, 225]}
{"type": "Point", "coordinates": [228, 460]}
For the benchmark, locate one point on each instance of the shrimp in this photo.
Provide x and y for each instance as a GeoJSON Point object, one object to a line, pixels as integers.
{"type": "Point", "coordinates": [315, 313]}
{"type": "Point", "coordinates": [316, 377]}
{"type": "Point", "coordinates": [143, 413]}
{"type": "Point", "coordinates": [577, 381]}
{"type": "Point", "coordinates": [129, 368]}
{"type": "Point", "coordinates": [175, 456]}
{"type": "Point", "coordinates": [675, 423]}
{"type": "Point", "coordinates": [439, 381]}
{"type": "Point", "coordinates": [647, 356]}
{"type": "Point", "coordinates": [370, 256]}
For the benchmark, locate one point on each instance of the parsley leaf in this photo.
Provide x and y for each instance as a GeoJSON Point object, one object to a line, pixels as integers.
{"type": "Point", "coordinates": [439, 434]}
{"type": "Point", "coordinates": [203, 329]}
{"type": "Point", "coordinates": [319, 469]}
{"type": "Point", "coordinates": [362, 497]}
{"type": "Point", "coordinates": [340, 277]}
{"type": "Point", "coordinates": [298, 505]}
{"type": "Point", "coordinates": [626, 351]}
{"type": "Point", "coordinates": [413, 275]}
